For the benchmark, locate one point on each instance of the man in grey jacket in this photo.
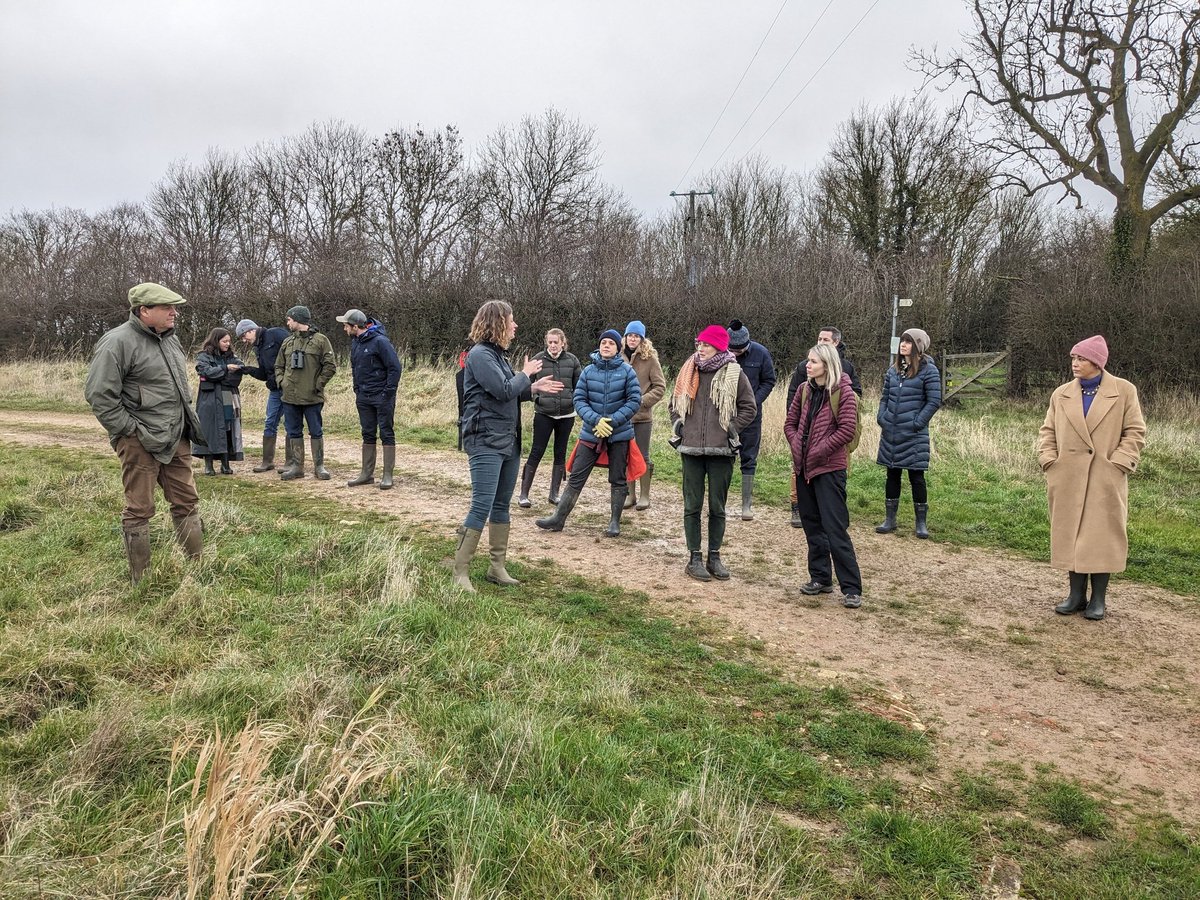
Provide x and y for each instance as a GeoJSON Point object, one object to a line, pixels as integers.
{"type": "Point", "coordinates": [137, 387]}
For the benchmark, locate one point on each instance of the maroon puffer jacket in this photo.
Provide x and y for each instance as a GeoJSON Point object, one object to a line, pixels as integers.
{"type": "Point", "coordinates": [827, 445]}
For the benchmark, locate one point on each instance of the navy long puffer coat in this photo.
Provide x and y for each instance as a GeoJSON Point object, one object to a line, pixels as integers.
{"type": "Point", "coordinates": [608, 388]}
{"type": "Point", "coordinates": [905, 409]}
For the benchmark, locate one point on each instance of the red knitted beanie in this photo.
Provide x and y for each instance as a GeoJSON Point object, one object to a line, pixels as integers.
{"type": "Point", "coordinates": [715, 335]}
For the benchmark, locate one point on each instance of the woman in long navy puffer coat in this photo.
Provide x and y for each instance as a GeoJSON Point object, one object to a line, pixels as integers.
{"type": "Point", "coordinates": [912, 393]}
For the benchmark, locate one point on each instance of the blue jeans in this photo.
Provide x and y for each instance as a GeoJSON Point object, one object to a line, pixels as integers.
{"type": "Point", "coordinates": [295, 417]}
{"type": "Point", "coordinates": [493, 477]}
{"type": "Point", "coordinates": [377, 411]}
{"type": "Point", "coordinates": [274, 413]}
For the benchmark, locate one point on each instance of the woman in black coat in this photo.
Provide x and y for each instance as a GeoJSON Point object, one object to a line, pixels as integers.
{"type": "Point", "coordinates": [912, 393]}
{"type": "Point", "coordinates": [553, 415]}
{"type": "Point", "coordinates": [219, 402]}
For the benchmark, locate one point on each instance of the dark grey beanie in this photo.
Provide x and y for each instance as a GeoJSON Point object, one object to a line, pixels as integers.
{"type": "Point", "coordinates": [300, 314]}
{"type": "Point", "coordinates": [739, 335]}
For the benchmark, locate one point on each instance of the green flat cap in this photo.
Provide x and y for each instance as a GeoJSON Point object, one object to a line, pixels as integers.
{"type": "Point", "coordinates": [150, 294]}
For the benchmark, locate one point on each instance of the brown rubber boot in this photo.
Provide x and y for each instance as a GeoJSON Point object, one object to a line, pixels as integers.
{"type": "Point", "coordinates": [318, 453]}
{"type": "Point", "coordinates": [367, 474]}
{"type": "Point", "coordinates": [137, 551]}
{"type": "Point", "coordinates": [498, 539]}
{"type": "Point", "coordinates": [644, 497]}
{"type": "Point", "coordinates": [189, 532]}
{"type": "Point", "coordinates": [295, 461]}
{"type": "Point", "coordinates": [467, 543]}
{"type": "Point", "coordinates": [389, 466]}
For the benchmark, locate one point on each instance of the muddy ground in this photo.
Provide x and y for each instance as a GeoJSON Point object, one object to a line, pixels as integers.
{"type": "Point", "coordinates": [961, 642]}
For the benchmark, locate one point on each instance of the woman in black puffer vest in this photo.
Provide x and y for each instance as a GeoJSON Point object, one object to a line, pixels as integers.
{"type": "Point", "coordinates": [912, 393]}
{"type": "Point", "coordinates": [553, 414]}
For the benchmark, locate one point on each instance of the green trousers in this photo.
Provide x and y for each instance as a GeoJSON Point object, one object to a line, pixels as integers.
{"type": "Point", "coordinates": [718, 470]}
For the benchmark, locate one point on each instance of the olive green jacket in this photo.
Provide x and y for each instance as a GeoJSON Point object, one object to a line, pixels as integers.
{"type": "Point", "coordinates": [137, 384]}
{"type": "Point", "coordinates": [305, 386]}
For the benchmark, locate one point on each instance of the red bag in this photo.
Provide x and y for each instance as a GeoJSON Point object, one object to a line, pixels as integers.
{"type": "Point", "coordinates": [635, 463]}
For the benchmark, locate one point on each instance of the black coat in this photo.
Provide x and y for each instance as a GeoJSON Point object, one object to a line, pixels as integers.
{"type": "Point", "coordinates": [266, 348]}
{"type": "Point", "coordinates": [492, 395]}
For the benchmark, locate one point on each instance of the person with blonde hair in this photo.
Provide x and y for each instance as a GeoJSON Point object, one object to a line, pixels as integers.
{"type": "Point", "coordinates": [490, 429]}
{"type": "Point", "coordinates": [644, 358]}
{"type": "Point", "coordinates": [1088, 446]}
{"type": "Point", "coordinates": [819, 427]}
{"type": "Point", "coordinates": [553, 414]}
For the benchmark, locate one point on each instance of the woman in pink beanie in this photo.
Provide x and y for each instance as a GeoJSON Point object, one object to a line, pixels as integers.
{"type": "Point", "coordinates": [711, 404]}
{"type": "Point", "coordinates": [1088, 446]}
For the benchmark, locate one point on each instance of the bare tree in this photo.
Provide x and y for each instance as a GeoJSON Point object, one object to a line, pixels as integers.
{"type": "Point", "coordinates": [1104, 90]}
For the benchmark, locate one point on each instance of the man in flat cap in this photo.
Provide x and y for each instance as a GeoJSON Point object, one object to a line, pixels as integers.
{"type": "Point", "coordinates": [137, 387]}
{"type": "Point", "coordinates": [302, 369]}
{"type": "Point", "coordinates": [376, 372]}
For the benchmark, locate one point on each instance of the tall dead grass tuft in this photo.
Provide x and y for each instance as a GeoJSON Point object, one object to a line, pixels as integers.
{"type": "Point", "coordinates": [241, 813]}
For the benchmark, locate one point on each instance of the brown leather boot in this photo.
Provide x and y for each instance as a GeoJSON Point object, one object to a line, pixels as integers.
{"type": "Point", "coordinates": [189, 532]}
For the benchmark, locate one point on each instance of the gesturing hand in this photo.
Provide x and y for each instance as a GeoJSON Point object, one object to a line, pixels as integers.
{"type": "Point", "coordinates": [546, 386]}
{"type": "Point", "coordinates": [532, 366]}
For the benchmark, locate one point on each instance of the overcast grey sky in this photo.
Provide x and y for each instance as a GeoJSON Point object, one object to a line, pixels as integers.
{"type": "Point", "coordinates": [97, 98]}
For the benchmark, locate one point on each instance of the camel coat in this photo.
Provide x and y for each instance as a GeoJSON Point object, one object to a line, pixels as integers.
{"type": "Point", "coordinates": [1087, 463]}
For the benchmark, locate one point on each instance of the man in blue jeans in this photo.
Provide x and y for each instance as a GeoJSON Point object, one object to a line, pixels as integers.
{"type": "Point", "coordinates": [302, 369]}
{"type": "Point", "coordinates": [266, 343]}
{"type": "Point", "coordinates": [376, 369]}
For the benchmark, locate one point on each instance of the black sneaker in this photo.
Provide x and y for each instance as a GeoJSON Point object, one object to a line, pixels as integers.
{"type": "Point", "coordinates": [851, 601]}
{"type": "Point", "coordinates": [815, 587]}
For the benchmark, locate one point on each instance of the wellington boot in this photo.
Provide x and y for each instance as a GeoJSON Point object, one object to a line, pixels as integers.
{"type": "Point", "coordinates": [556, 479]}
{"type": "Point", "coordinates": [189, 532]}
{"type": "Point", "coordinates": [1095, 607]}
{"type": "Point", "coordinates": [921, 527]}
{"type": "Point", "coordinates": [366, 474]}
{"type": "Point", "coordinates": [696, 568]}
{"type": "Point", "coordinates": [295, 460]}
{"type": "Point", "coordinates": [566, 503]}
{"type": "Point", "coordinates": [631, 495]}
{"type": "Point", "coordinates": [137, 551]}
{"type": "Point", "coordinates": [643, 502]}
{"type": "Point", "coordinates": [389, 467]}
{"type": "Point", "coordinates": [747, 497]}
{"type": "Point", "coordinates": [527, 474]}
{"type": "Point", "coordinates": [208, 466]}
{"type": "Point", "coordinates": [891, 507]}
{"type": "Point", "coordinates": [318, 452]}
{"type": "Point", "coordinates": [715, 567]}
{"type": "Point", "coordinates": [462, 558]}
{"type": "Point", "coordinates": [498, 541]}
{"type": "Point", "coordinates": [268, 459]}
{"type": "Point", "coordinates": [797, 522]}
{"type": "Point", "coordinates": [226, 469]}
{"type": "Point", "coordinates": [617, 496]}
{"type": "Point", "coordinates": [1077, 599]}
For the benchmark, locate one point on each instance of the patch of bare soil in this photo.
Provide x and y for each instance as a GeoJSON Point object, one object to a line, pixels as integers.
{"type": "Point", "coordinates": [962, 642]}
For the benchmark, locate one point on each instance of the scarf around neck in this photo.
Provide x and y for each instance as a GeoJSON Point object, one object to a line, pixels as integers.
{"type": "Point", "coordinates": [723, 390]}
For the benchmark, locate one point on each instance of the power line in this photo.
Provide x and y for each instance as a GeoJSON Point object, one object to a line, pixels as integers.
{"type": "Point", "coordinates": [770, 28]}
{"type": "Point", "coordinates": [810, 80]}
{"type": "Point", "coordinates": [800, 47]}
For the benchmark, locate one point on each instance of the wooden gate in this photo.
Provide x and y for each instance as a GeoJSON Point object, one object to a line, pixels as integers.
{"type": "Point", "coordinates": [974, 374]}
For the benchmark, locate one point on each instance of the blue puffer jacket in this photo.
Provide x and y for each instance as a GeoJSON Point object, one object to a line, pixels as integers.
{"type": "Point", "coordinates": [373, 361]}
{"type": "Point", "coordinates": [905, 409]}
{"type": "Point", "coordinates": [608, 388]}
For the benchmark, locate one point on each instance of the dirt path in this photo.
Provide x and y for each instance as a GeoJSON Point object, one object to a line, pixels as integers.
{"type": "Point", "coordinates": [963, 641]}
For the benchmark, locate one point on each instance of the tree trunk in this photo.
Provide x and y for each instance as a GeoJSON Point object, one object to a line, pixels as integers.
{"type": "Point", "coordinates": [1130, 241]}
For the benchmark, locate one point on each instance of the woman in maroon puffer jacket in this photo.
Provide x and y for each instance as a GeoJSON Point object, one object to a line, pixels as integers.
{"type": "Point", "coordinates": [819, 441]}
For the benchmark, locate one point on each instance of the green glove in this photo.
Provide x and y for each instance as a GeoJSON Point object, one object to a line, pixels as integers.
{"type": "Point", "coordinates": [603, 428]}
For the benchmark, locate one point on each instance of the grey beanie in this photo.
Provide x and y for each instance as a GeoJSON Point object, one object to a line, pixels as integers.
{"type": "Point", "coordinates": [243, 326]}
{"type": "Point", "coordinates": [739, 335]}
{"type": "Point", "coordinates": [300, 314]}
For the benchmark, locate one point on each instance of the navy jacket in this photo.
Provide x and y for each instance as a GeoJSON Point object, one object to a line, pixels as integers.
{"type": "Point", "coordinates": [905, 409]}
{"type": "Point", "coordinates": [266, 348]}
{"type": "Point", "coordinates": [608, 388]}
{"type": "Point", "coordinates": [756, 362]}
{"type": "Point", "coordinates": [492, 395]}
{"type": "Point", "coordinates": [375, 368]}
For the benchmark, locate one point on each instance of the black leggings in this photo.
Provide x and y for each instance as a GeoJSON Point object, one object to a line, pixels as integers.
{"type": "Point", "coordinates": [543, 427]}
{"type": "Point", "coordinates": [916, 478]}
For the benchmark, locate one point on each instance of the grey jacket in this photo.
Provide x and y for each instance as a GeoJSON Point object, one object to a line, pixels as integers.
{"type": "Point", "coordinates": [137, 385]}
{"type": "Point", "coordinates": [492, 396]}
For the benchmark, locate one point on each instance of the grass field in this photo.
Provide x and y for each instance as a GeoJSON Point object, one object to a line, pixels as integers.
{"type": "Point", "coordinates": [314, 710]}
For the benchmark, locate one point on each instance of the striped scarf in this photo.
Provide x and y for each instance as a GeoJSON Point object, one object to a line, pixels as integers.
{"type": "Point", "coordinates": [723, 390]}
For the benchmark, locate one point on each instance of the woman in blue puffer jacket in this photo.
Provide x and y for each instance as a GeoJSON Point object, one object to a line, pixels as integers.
{"type": "Point", "coordinates": [607, 395]}
{"type": "Point", "coordinates": [912, 393]}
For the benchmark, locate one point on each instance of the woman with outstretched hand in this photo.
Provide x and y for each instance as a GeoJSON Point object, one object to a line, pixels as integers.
{"type": "Point", "coordinates": [492, 395]}
{"type": "Point", "coordinates": [553, 414]}
{"type": "Point", "coordinates": [219, 403]}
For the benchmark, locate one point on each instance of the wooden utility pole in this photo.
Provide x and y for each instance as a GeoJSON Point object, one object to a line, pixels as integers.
{"type": "Point", "coordinates": [694, 275]}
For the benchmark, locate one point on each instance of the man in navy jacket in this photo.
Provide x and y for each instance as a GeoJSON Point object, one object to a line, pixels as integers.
{"type": "Point", "coordinates": [756, 362]}
{"type": "Point", "coordinates": [266, 343]}
{"type": "Point", "coordinates": [375, 368]}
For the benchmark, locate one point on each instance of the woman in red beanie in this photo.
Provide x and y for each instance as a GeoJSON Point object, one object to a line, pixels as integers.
{"type": "Point", "coordinates": [711, 404]}
{"type": "Point", "coordinates": [1088, 446]}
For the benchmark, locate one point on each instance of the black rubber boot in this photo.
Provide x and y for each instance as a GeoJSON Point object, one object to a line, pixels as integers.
{"type": "Point", "coordinates": [318, 454]}
{"type": "Point", "coordinates": [1077, 599]}
{"type": "Point", "coordinates": [1095, 607]}
{"type": "Point", "coordinates": [715, 567]}
{"type": "Point", "coordinates": [389, 467]}
{"type": "Point", "coordinates": [366, 475]}
{"type": "Point", "coordinates": [891, 507]}
{"type": "Point", "coordinates": [556, 479]}
{"type": "Point", "coordinates": [696, 568]}
{"type": "Point", "coordinates": [295, 461]}
{"type": "Point", "coordinates": [921, 527]}
{"type": "Point", "coordinates": [226, 469]}
{"type": "Point", "coordinates": [208, 466]}
{"type": "Point", "coordinates": [268, 459]}
{"type": "Point", "coordinates": [527, 474]}
{"type": "Point", "coordinates": [617, 495]}
{"type": "Point", "coordinates": [566, 503]}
